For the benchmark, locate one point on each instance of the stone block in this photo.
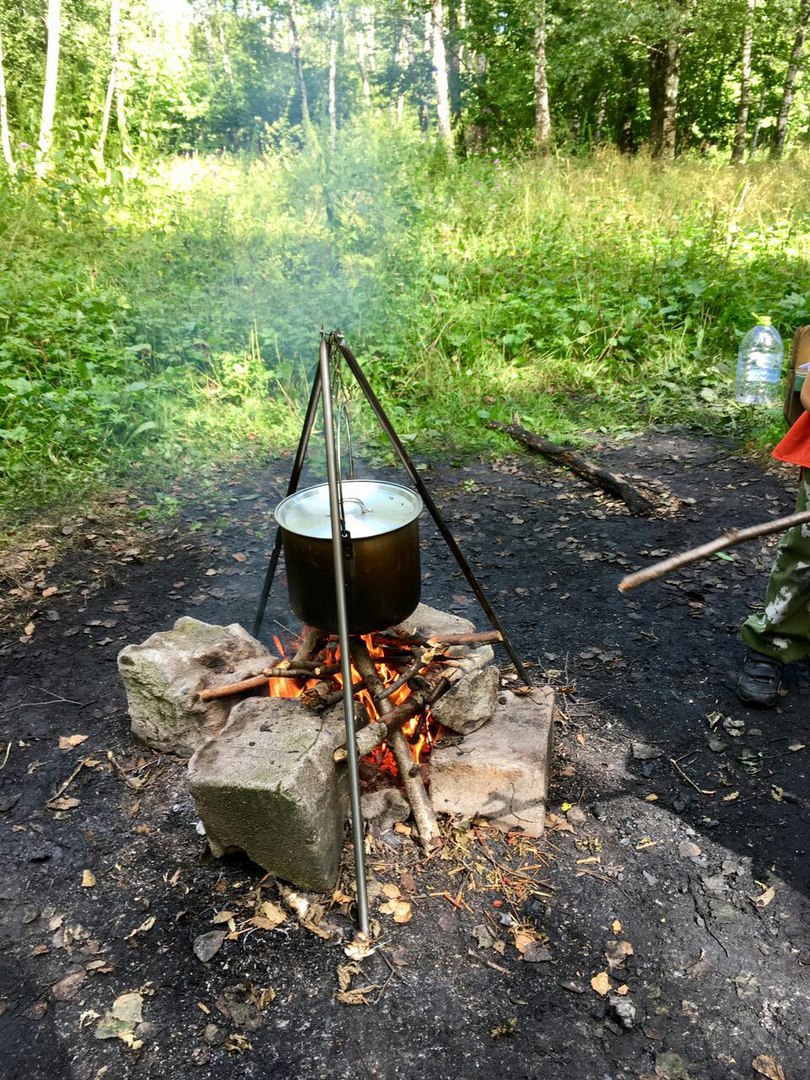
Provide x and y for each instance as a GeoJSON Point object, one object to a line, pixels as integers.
{"type": "Point", "coordinates": [163, 675]}
{"type": "Point", "coordinates": [427, 621]}
{"type": "Point", "coordinates": [500, 772]}
{"type": "Point", "coordinates": [471, 703]}
{"type": "Point", "coordinates": [268, 786]}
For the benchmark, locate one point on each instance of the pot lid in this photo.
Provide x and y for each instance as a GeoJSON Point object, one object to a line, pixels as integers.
{"type": "Point", "coordinates": [371, 508]}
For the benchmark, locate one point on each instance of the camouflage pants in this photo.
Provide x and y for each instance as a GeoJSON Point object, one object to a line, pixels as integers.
{"type": "Point", "coordinates": [783, 629]}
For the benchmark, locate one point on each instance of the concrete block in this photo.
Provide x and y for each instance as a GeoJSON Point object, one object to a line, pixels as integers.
{"type": "Point", "coordinates": [427, 621]}
{"type": "Point", "coordinates": [163, 675]}
{"type": "Point", "coordinates": [471, 703]}
{"type": "Point", "coordinates": [268, 786]}
{"type": "Point", "coordinates": [500, 772]}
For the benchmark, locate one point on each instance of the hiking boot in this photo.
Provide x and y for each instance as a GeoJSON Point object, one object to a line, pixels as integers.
{"type": "Point", "coordinates": [760, 680]}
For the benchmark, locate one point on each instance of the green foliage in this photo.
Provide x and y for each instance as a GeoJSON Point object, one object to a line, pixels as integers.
{"type": "Point", "coordinates": [147, 327]}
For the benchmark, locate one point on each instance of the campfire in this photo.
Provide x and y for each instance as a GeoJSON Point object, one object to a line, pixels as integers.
{"type": "Point", "coordinates": [397, 679]}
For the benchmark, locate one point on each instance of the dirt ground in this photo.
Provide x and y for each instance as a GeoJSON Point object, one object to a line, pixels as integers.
{"type": "Point", "coordinates": [659, 929]}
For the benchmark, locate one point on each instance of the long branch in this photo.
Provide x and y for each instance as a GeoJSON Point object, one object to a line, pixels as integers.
{"type": "Point", "coordinates": [596, 475]}
{"type": "Point", "coordinates": [727, 540]}
{"type": "Point", "coordinates": [408, 770]}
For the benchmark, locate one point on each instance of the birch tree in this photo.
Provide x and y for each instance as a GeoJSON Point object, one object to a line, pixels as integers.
{"type": "Point", "coordinates": [440, 74]}
{"type": "Point", "coordinates": [780, 133]}
{"type": "Point", "coordinates": [740, 135]}
{"type": "Point", "coordinates": [542, 116]}
{"type": "Point", "coordinates": [5, 134]}
{"type": "Point", "coordinates": [53, 25]}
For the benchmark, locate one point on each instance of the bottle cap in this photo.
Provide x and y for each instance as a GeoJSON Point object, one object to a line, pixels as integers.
{"type": "Point", "coordinates": [764, 320]}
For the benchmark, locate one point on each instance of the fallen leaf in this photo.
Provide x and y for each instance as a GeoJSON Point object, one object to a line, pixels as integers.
{"type": "Point", "coordinates": [52, 590]}
{"type": "Point", "coordinates": [555, 823]}
{"type": "Point", "coordinates": [357, 996]}
{"type": "Point", "coordinates": [390, 890]}
{"type": "Point", "coordinates": [623, 990]}
{"type": "Point", "coordinates": [66, 803]}
{"type": "Point", "coordinates": [359, 948]}
{"type": "Point", "coordinates": [272, 912]}
{"type": "Point", "coordinates": [616, 952]}
{"type": "Point", "coordinates": [794, 746]}
{"type": "Point", "coordinates": [128, 1007]}
{"type": "Point", "coordinates": [237, 1044]}
{"type": "Point", "coordinates": [67, 742]}
{"type": "Point", "coordinates": [508, 1027]}
{"type": "Point", "coordinates": [88, 879]}
{"type": "Point", "coordinates": [67, 987]}
{"type": "Point", "coordinates": [765, 1065]}
{"type": "Point", "coordinates": [264, 997]}
{"type": "Point", "coordinates": [731, 797]}
{"type": "Point", "coordinates": [240, 556]}
{"type": "Point", "coordinates": [616, 926]}
{"type": "Point", "coordinates": [645, 751]}
{"type": "Point", "coordinates": [146, 925]}
{"type": "Point", "coordinates": [536, 952]}
{"type": "Point", "coordinates": [403, 913]}
{"type": "Point", "coordinates": [765, 898]}
{"type": "Point", "coordinates": [601, 983]}
{"type": "Point", "coordinates": [223, 916]}
{"type": "Point", "coordinates": [208, 945]}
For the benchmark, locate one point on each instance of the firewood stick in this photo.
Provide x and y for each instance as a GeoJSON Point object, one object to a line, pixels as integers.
{"type": "Point", "coordinates": [422, 661]}
{"type": "Point", "coordinates": [597, 475]}
{"type": "Point", "coordinates": [317, 698]}
{"type": "Point", "coordinates": [232, 688]}
{"type": "Point", "coordinates": [312, 640]}
{"type": "Point", "coordinates": [384, 729]}
{"type": "Point", "coordinates": [728, 539]}
{"type": "Point", "coordinates": [257, 680]}
{"type": "Point", "coordinates": [415, 792]}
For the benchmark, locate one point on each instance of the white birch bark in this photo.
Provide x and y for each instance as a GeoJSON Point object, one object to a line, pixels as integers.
{"type": "Point", "coordinates": [115, 13]}
{"type": "Point", "coordinates": [440, 74]}
{"type": "Point", "coordinates": [542, 115]}
{"type": "Point", "coordinates": [5, 134]}
{"type": "Point", "coordinates": [53, 24]}
{"type": "Point", "coordinates": [780, 134]}
{"type": "Point", "coordinates": [741, 133]}
{"type": "Point", "coordinates": [333, 52]}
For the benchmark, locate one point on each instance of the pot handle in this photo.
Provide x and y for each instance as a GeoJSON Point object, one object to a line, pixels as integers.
{"type": "Point", "coordinates": [353, 499]}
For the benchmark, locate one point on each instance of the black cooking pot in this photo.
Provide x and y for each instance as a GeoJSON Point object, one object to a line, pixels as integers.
{"type": "Point", "coordinates": [381, 561]}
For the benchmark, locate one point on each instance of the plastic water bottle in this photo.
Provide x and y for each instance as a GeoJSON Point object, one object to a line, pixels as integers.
{"type": "Point", "coordinates": [759, 365]}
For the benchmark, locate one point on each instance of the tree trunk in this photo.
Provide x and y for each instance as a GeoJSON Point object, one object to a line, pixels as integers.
{"type": "Point", "coordinates": [53, 24]}
{"type": "Point", "coordinates": [227, 66]}
{"type": "Point", "coordinates": [741, 134]}
{"type": "Point", "coordinates": [5, 134]}
{"type": "Point", "coordinates": [360, 37]}
{"type": "Point", "coordinates": [455, 16]}
{"type": "Point", "coordinates": [542, 117]}
{"type": "Point", "coordinates": [665, 70]}
{"type": "Point", "coordinates": [333, 51]}
{"type": "Point", "coordinates": [295, 48]}
{"type": "Point", "coordinates": [758, 121]}
{"type": "Point", "coordinates": [780, 133]}
{"type": "Point", "coordinates": [115, 14]}
{"type": "Point", "coordinates": [440, 74]}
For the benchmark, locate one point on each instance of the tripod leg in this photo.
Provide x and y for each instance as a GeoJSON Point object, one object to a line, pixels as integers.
{"type": "Point", "coordinates": [295, 476]}
{"type": "Point", "coordinates": [433, 509]}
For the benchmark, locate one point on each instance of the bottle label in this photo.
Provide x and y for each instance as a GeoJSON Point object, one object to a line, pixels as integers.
{"type": "Point", "coordinates": [762, 368]}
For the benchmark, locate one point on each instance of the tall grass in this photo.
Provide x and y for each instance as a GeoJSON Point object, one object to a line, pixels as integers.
{"type": "Point", "coordinates": [174, 319]}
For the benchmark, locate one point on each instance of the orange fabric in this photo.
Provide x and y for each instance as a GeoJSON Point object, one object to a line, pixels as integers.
{"type": "Point", "coordinates": [795, 447]}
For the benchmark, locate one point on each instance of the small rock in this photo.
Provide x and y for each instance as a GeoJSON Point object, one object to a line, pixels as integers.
{"type": "Point", "coordinates": [208, 945]}
{"type": "Point", "coordinates": [577, 816]}
{"type": "Point", "coordinates": [214, 1035]}
{"type": "Point", "coordinates": [623, 1009]}
{"type": "Point", "coordinates": [645, 751]}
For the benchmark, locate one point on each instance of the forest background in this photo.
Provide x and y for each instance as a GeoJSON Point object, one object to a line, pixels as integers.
{"type": "Point", "coordinates": [556, 210]}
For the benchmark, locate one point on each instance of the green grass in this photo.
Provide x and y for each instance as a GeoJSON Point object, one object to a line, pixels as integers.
{"type": "Point", "coordinates": [173, 320]}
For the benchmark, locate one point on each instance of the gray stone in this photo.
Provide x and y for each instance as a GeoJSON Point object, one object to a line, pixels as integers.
{"type": "Point", "coordinates": [470, 703]}
{"type": "Point", "coordinates": [268, 785]}
{"type": "Point", "coordinates": [163, 676]}
{"type": "Point", "coordinates": [500, 771]}
{"type": "Point", "coordinates": [427, 622]}
{"type": "Point", "coordinates": [385, 807]}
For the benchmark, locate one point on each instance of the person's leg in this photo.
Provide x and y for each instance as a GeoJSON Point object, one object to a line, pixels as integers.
{"type": "Point", "coordinates": [781, 634]}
